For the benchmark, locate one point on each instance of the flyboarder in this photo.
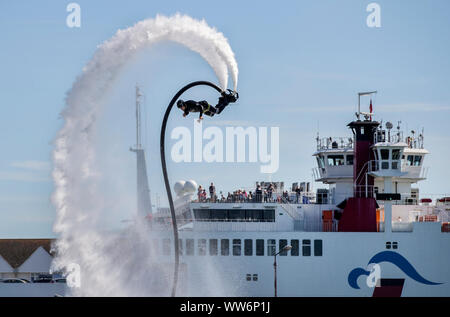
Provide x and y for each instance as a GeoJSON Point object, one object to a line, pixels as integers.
{"type": "Point", "coordinates": [203, 107]}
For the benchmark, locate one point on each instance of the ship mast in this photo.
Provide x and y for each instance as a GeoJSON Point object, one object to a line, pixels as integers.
{"type": "Point", "coordinates": [144, 204]}
{"type": "Point", "coordinates": [138, 118]}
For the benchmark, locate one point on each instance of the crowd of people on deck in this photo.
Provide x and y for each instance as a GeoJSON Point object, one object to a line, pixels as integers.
{"type": "Point", "coordinates": [258, 195]}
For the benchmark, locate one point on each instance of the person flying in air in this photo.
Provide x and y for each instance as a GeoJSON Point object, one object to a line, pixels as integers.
{"type": "Point", "coordinates": [203, 107]}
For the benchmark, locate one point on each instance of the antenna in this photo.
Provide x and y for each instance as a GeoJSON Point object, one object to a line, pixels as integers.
{"type": "Point", "coordinates": [359, 104]}
{"type": "Point", "coordinates": [389, 126]}
{"type": "Point", "coordinates": [138, 117]}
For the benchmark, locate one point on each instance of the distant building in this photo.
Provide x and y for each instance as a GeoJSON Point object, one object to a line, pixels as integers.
{"type": "Point", "coordinates": [25, 258]}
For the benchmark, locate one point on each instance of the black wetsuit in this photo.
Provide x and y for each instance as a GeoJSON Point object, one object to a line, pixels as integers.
{"type": "Point", "coordinates": [203, 107]}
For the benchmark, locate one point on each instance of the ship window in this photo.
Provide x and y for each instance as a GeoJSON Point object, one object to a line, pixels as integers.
{"type": "Point", "coordinates": [201, 247]}
{"type": "Point", "coordinates": [395, 165]}
{"type": "Point", "coordinates": [271, 247]}
{"type": "Point", "coordinates": [417, 159]}
{"type": "Point", "coordinates": [396, 154]}
{"type": "Point", "coordinates": [248, 277]}
{"type": "Point", "coordinates": [306, 248]}
{"type": "Point", "coordinates": [388, 245]}
{"type": "Point", "coordinates": [218, 214]}
{"type": "Point", "coordinates": [394, 245]}
{"type": "Point", "coordinates": [166, 246]}
{"type": "Point", "coordinates": [255, 277]}
{"type": "Point", "coordinates": [259, 247]}
{"type": "Point", "coordinates": [320, 161]}
{"type": "Point", "coordinates": [236, 214]}
{"type": "Point", "coordinates": [189, 246]}
{"type": "Point", "coordinates": [294, 250]}
{"type": "Point", "coordinates": [236, 246]}
{"type": "Point", "coordinates": [248, 247]}
{"type": "Point", "coordinates": [317, 247]}
{"type": "Point", "coordinates": [349, 159]}
{"type": "Point", "coordinates": [180, 246]}
{"type": "Point", "coordinates": [269, 215]}
{"type": "Point", "coordinates": [225, 247]}
{"type": "Point", "coordinates": [257, 214]}
{"type": "Point", "coordinates": [385, 165]}
{"type": "Point", "coordinates": [335, 160]}
{"type": "Point", "coordinates": [212, 246]}
{"type": "Point", "coordinates": [384, 154]}
{"type": "Point", "coordinates": [202, 214]}
{"type": "Point", "coordinates": [282, 243]}
{"type": "Point", "coordinates": [410, 161]}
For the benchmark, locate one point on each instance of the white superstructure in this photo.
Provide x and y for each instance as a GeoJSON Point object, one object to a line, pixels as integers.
{"type": "Point", "coordinates": [240, 236]}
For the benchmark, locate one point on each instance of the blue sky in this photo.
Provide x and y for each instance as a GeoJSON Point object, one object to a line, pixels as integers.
{"type": "Point", "coordinates": [301, 65]}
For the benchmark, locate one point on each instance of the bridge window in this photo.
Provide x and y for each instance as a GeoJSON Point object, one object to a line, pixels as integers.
{"type": "Point", "coordinates": [384, 154]}
{"type": "Point", "coordinates": [189, 246]}
{"type": "Point", "coordinates": [317, 247]}
{"type": "Point", "coordinates": [320, 161]}
{"type": "Point", "coordinates": [259, 247]}
{"type": "Point", "coordinates": [201, 246]}
{"type": "Point", "coordinates": [236, 247]}
{"type": "Point", "coordinates": [395, 154]}
{"type": "Point", "coordinates": [350, 159]}
{"type": "Point", "coordinates": [294, 250]}
{"type": "Point", "coordinates": [410, 160]}
{"type": "Point", "coordinates": [282, 243]}
{"type": "Point", "coordinates": [417, 160]}
{"type": "Point", "coordinates": [212, 246]}
{"type": "Point", "coordinates": [335, 160]}
{"type": "Point", "coordinates": [306, 248]}
{"type": "Point", "coordinates": [225, 247]}
{"type": "Point", "coordinates": [166, 246]}
{"type": "Point", "coordinates": [248, 247]}
{"type": "Point", "coordinates": [271, 247]}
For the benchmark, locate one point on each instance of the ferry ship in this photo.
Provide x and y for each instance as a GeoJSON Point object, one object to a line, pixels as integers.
{"type": "Point", "coordinates": [369, 233]}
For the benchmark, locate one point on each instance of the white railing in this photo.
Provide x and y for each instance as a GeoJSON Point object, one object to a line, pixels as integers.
{"type": "Point", "coordinates": [334, 143]}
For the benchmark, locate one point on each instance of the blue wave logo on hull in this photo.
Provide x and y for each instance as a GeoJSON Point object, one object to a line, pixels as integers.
{"type": "Point", "coordinates": [391, 257]}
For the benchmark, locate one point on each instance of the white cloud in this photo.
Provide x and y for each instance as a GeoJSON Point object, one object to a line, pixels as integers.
{"type": "Point", "coordinates": [20, 176]}
{"type": "Point", "coordinates": [32, 165]}
{"type": "Point", "coordinates": [27, 171]}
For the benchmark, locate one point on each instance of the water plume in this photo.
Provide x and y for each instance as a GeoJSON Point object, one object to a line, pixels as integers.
{"type": "Point", "coordinates": [115, 264]}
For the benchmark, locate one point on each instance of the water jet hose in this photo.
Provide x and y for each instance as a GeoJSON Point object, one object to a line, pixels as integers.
{"type": "Point", "coordinates": [166, 179]}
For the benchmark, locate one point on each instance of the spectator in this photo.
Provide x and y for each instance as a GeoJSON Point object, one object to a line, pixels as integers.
{"type": "Point", "coordinates": [258, 194]}
{"type": "Point", "coordinates": [212, 192]}
{"type": "Point", "coordinates": [297, 192]}
{"type": "Point", "coordinates": [204, 195]}
{"type": "Point", "coordinates": [199, 193]}
{"type": "Point", "coordinates": [270, 192]}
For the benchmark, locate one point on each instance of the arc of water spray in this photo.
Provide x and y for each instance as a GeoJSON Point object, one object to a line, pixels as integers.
{"type": "Point", "coordinates": [76, 192]}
